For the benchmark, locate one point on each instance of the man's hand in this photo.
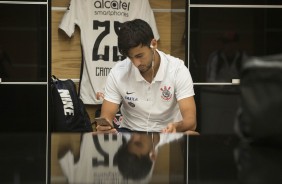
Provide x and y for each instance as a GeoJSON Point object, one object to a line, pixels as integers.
{"type": "Point", "coordinates": [105, 129]}
{"type": "Point", "coordinates": [100, 96]}
{"type": "Point", "coordinates": [170, 128]}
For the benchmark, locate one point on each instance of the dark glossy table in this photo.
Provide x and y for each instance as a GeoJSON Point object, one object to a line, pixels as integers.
{"type": "Point", "coordinates": [23, 158]}
{"type": "Point", "coordinates": [26, 158]}
{"type": "Point", "coordinates": [161, 158]}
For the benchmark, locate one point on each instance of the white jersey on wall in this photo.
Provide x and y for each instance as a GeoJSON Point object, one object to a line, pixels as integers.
{"type": "Point", "coordinates": [99, 22]}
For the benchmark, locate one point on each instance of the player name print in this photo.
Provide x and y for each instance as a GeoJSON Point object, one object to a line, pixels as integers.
{"type": "Point", "coordinates": [102, 71]}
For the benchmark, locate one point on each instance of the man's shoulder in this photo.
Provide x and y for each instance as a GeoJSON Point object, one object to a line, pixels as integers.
{"type": "Point", "coordinates": [173, 63]}
{"type": "Point", "coordinates": [171, 59]}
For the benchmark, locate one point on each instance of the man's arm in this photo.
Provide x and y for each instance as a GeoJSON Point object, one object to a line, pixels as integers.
{"type": "Point", "coordinates": [188, 111]}
{"type": "Point", "coordinates": [108, 111]}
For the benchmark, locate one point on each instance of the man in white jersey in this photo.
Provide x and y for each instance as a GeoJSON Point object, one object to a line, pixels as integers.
{"type": "Point", "coordinates": [155, 89]}
{"type": "Point", "coordinates": [99, 22]}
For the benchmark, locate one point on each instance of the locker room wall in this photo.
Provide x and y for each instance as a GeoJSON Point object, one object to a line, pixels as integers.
{"type": "Point", "coordinates": [66, 52]}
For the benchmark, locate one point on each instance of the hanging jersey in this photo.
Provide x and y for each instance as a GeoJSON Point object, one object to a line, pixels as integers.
{"type": "Point", "coordinates": [99, 22]}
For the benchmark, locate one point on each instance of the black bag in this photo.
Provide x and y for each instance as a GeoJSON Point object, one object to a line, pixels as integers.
{"type": "Point", "coordinates": [68, 113]}
{"type": "Point", "coordinates": [260, 115]}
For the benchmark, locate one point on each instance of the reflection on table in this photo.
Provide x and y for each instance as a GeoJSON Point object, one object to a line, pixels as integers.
{"type": "Point", "coordinates": [161, 158]}
{"type": "Point", "coordinates": [118, 158]}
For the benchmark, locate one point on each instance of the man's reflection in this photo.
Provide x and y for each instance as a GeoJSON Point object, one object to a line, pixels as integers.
{"type": "Point", "coordinates": [111, 158]}
{"type": "Point", "coordinates": [137, 157]}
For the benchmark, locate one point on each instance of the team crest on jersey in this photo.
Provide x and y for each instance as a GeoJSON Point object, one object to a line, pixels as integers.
{"type": "Point", "coordinates": [117, 120]}
{"type": "Point", "coordinates": [166, 94]}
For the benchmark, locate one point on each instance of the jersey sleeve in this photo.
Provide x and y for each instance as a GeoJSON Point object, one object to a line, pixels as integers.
{"type": "Point", "coordinates": [111, 90]}
{"type": "Point", "coordinates": [68, 21]}
{"type": "Point", "coordinates": [184, 83]}
{"type": "Point", "coordinates": [148, 15]}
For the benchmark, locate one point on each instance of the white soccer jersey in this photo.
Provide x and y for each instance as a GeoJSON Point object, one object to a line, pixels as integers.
{"type": "Point", "coordinates": [149, 106]}
{"type": "Point", "coordinates": [99, 22]}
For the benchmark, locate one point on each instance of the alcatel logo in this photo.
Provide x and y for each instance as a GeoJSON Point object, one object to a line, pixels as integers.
{"type": "Point", "coordinates": [117, 5]}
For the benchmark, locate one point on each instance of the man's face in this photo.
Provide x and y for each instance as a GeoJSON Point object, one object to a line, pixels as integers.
{"type": "Point", "coordinates": [141, 57]}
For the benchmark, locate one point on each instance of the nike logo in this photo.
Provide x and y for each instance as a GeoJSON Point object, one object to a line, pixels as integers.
{"type": "Point", "coordinates": [129, 93]}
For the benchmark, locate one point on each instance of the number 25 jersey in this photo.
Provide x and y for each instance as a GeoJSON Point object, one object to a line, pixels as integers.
{"type": "Point", "coordinates": [99, 22]}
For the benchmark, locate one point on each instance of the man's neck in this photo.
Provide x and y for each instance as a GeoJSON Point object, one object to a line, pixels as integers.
{"type": "Point", "coordinates": [150, 75]}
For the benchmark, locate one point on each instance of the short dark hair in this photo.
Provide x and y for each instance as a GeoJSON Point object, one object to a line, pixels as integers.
{"type": "Point", "coordinates": [133, 33]}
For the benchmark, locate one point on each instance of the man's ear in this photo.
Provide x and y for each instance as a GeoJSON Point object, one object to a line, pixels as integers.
{"type": "Point", "coordinates": [154, 44]}
{"type": "Point", "coordinates": [153, 155]}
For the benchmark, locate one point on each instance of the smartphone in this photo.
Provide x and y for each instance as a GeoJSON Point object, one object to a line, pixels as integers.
{"type": "Point", "coordinates": [103, 122]}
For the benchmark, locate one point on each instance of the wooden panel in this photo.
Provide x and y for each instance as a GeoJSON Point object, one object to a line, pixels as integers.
{"type": "Point", "coordinates": [164, 25]}
{"type": "Point", "coordinates": [160, 4]}
{"type": "Point", "coordinates": [60, 3]}
{"type": "Point", "coordinates": [178, 4]}
{"type": "Point", "coordinates": [177, 40]}
{"type": "Point", "coordinates": [66, 52]}
{"type": "Point", "coordinates": [167, 4]}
